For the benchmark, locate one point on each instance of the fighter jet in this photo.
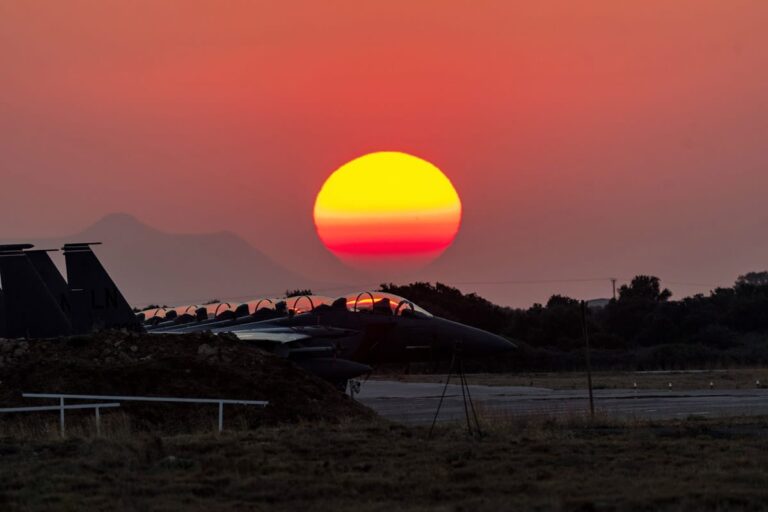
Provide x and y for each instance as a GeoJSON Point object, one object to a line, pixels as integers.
{"type": "Point", "coordinates": [336, 339]}
{"type": "Point", "coordinates": [193, 318]}
{"type": "Point", "coordinates": [368, 328]}
{"type": "Point", "coordinates": [39, 303]}
{"type": "Point", "coordinates": [29, 308]}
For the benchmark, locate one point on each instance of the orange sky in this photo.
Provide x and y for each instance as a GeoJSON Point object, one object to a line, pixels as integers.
{"type": "Point", "coordinates": [591, 138]}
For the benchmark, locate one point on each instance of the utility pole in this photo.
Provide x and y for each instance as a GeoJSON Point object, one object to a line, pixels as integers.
{"type": "Point", "coordinates": [589, 362]}
{"type": "Point", "coordinates": [613, 284]}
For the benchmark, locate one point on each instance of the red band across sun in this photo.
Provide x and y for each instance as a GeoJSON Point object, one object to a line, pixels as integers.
{"type": "Point", "coordinates": [387, 205]}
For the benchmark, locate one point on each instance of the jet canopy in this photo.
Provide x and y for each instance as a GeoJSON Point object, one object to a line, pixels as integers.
{"type": "Point", "coordinates": [296, 305]}
{"type": "Point", "coordinates": [262, 303]}
{"type": "Point", "coordinates": [307, 303]}
{"type": "Point", "coordinates": [212, 310]}
{"type": "Point", "coordinates": [153, 313]}
{"type": "Point", "coordinates": [384, 303]}
{"type": "Point", "coordinates": [217, 308]}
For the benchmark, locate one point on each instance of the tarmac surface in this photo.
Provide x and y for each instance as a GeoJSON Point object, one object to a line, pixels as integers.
{"type": "Point", "coordinates": [416, 403]}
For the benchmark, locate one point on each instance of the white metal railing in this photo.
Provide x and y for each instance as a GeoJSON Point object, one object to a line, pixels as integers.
{"type": "Point", "coordinates": [61, 408]}
{"type": "Point", "coordinates": [219, 401]}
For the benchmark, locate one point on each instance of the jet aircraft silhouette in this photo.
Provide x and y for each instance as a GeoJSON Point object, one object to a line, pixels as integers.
{"type": "Point", "coordinates": [337, 339]}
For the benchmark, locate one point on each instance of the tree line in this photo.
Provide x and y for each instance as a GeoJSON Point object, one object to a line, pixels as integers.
{"type": "Point", "coordinates": [643, 328]}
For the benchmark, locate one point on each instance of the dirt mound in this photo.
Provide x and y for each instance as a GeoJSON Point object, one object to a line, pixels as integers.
{"type": "Point", "coordinates": [200, 365]}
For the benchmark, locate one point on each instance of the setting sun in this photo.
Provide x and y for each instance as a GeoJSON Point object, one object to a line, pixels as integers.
{"type": "Point", "coordinates": [387, 206]}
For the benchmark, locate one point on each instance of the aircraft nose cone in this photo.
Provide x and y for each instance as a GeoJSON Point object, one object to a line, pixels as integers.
{"type": "Point", "coordinates": [484, 343]}
{"type": "Point", "coordinates": [476, 342]}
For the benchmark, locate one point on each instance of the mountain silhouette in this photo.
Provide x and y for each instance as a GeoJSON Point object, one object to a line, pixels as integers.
{"type": "Point", "coordinates": [152, 266]}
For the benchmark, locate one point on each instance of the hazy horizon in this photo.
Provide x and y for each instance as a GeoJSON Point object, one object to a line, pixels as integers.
{"type": "Point", "coordinates": [127, 236]}
{"type": "Point", "coordinates": [588, 140]}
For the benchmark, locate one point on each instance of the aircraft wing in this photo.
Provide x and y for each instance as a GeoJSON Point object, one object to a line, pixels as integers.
{"type": "Point", "coordinates": [273, 335]}
{"type": "Point", "coordinates": [289, 334]}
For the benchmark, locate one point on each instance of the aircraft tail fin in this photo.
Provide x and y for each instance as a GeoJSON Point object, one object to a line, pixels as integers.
{"type": "Point", "coordinates": [51, 277]}
{"type": "Point", "coordinates": [30, 309]}
{"type": "Point", "coordinates": [2, 315]}
{"type": "Point", "coordinates": [100, 302]}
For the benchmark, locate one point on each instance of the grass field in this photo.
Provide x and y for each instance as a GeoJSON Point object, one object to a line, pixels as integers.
{"type": "Point", "coordinates": [528, 464]}
{"type": "Point", "coordinates": [682, 380]}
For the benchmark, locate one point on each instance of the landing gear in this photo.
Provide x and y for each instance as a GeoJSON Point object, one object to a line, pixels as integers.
{"type": "Point", "coordinates": [354, 388]}
{"type": "Point", "coordinates": [473, 425]}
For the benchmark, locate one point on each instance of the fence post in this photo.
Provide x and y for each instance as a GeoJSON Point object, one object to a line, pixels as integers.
{"type": "Point", "coordinates": [98, 422]}
{"type": "Point", "coordinates": [62, 427]}
{"type": "Point", "coordinates": [588, 357]}
{"type": "Point", "coordinates": [221, 416]}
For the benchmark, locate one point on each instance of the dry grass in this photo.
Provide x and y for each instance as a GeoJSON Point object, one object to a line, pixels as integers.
{"type": "Point", "coordinates": [720, 379]}
{"type": "Point", "coordinates": [44, 426]}
{"type": "Point", "coordinates": [537, 463]}
{"type": "Point", "coordinates": [496, 419]}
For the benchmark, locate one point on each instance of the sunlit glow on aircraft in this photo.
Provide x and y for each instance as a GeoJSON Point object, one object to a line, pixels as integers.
{"type": "Point", "coordinates": [306, 303]}
{"type": "Point", "coordinates": [154, 313]}
{"type": "Point", "coordinates": [380, 301]}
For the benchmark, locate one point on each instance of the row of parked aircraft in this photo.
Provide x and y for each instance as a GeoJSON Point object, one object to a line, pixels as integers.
{"type": "Point", "coordinates": [337, 339]}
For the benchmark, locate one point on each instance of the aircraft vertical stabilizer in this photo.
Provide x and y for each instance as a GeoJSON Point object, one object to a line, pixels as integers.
{"type": "Point", "coordinates": [92, 288]}
{"type": "Point", "coordinates": [51, 277]}
{"type": "Point", "coordinates": [2, 315]}
{"type": "Point", "coordinates": [30, 308]}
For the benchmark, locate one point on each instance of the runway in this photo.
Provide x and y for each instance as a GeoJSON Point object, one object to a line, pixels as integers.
{"type": "Point", "coordinates": [416, 403]}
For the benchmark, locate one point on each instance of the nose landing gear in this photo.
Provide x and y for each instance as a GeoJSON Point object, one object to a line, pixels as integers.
{"type": "Point", "coordinates": [473, 425]}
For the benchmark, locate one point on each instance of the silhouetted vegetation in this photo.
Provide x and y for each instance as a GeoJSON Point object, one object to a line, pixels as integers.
{"type": "Point", "coordinates": [642, 329]}
{"type": "Point", "coordinates": [298, 292]}
{"type": "Point", "coordinates": [151, 306]}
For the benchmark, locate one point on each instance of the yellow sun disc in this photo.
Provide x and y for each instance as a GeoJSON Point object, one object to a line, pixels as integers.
{"type": "Point", "coordinates": [387, 206]}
